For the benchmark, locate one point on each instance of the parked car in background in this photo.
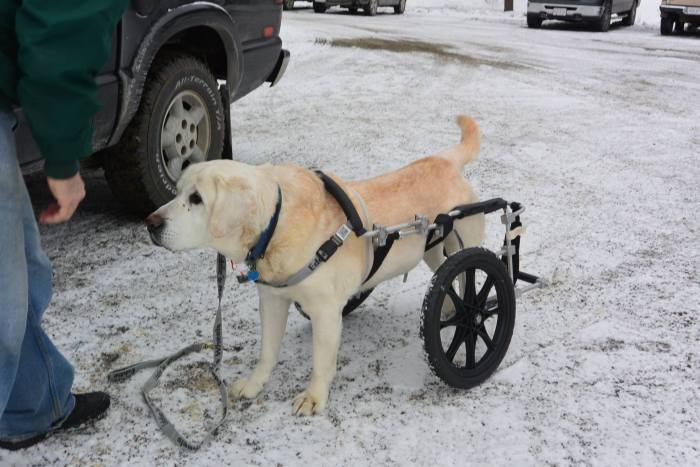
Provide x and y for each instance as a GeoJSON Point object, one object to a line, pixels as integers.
{"type": "Point", "coordinates": [677, 13]}
{"type": "Point", "coordinates": [600, 13]}
{"type": "Point", "coordinates": [369, 7]}
{"type": "Point", "coordinates": [161, 108]}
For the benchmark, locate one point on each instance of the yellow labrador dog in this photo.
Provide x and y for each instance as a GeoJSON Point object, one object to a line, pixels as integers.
{"type": "Point", "coordinates": [226, 205]}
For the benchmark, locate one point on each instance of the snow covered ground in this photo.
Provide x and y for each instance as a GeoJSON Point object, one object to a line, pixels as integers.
{"type": "Point", "coordinates": [598, 134]}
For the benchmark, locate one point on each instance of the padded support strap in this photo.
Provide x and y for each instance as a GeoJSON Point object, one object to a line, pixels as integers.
{"type": "Point", "coordinates": [344, 201]}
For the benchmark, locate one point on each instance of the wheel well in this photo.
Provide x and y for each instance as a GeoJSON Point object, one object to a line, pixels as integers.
{"type": "Point", "coordinates": [204, 43]}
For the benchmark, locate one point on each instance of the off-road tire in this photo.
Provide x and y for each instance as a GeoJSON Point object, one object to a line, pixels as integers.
{"type": "Point", "coordinates": [666, 26]}
{"type": "Point", "coordinates": [371, 8]}
{"type": "Point", "coordinates": [320, 7]}
{"type": "Point", "coordinates": [400, 8]}
{"type": "Point", "coordinates": [352, 10]}
{"type": "Point", "coordinates": [134, 168]}
{"type": "Point", "coordinates": [679, 27]}
{"type": "Point", "coordinates": [603, 23]}
{"type": "Point", "coordinates": [288, 5]}
{"type": "Point", "coordinates": [631, 15]}
{"type": "Point", "coordinates": [534, 21]}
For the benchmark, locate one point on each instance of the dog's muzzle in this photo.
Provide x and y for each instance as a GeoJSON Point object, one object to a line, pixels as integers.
{"type": "Point", "coordinates": [155, 224]}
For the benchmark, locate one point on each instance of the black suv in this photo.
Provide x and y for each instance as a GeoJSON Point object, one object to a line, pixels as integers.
{"type": "Point", "coordinates": [161, 107]}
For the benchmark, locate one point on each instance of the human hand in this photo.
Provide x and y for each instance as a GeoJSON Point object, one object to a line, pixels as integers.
{"type": "Point", "coordinates": [68, 194]}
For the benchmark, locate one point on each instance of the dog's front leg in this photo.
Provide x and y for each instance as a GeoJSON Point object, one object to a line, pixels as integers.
{"type": "Point", "coordinates": [273, 316]}
{"type": "Point", "coordinates": [326, 323]}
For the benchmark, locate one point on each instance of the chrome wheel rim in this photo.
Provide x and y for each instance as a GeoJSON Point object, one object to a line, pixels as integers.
{"type": "Point", "coordinates": [185, 135]}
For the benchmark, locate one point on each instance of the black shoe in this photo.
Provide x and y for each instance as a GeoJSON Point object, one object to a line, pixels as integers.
{"type": "Point", "coordinates": [90, 406]}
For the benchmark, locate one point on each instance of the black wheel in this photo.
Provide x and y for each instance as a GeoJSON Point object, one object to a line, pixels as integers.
{"type": "Point", "coordinates": [631, 15]}
{"type": "Point", "coordinates": [666, 26]}
{"type": "Point", "coordinates": [534, 21]}
{"type": "Point", "coordinates": [400, 8]}
{"type": "Point", "coordinates": [319, 7]}
{"type": "Point", "coordinates": [288, 5]}
{"type": "Point", "coordinates": [180, 121]}
{"type": "Point", "coordinates": [353, 10]}
{"type": "Point", "coordinates": [371, 8]}
{"type": "Point", "coordinates": [680, 27]}
{"type": "Point", "coordinates": [603, 23]}
{"type": "Point", "coordinates": [468, 317]}
{"type": "Point", "coordinates": [350, 306]}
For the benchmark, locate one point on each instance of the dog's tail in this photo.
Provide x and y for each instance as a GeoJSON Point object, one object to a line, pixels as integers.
{"type": "Point", "coordinates": [468, 148]}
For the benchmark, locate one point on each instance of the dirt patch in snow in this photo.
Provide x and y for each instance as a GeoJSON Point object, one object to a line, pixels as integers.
{"type": "Point", "coordinates": [440, 51]}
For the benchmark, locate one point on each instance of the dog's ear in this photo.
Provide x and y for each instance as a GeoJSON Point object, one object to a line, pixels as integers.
{"type": "Point", "coordinates": [233, 198]}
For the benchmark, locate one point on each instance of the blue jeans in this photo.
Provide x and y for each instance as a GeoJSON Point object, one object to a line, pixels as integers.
{"type": "Point", "coordinates": [35, 379]}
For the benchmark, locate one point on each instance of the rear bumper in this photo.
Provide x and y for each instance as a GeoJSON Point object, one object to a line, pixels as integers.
{"type": "Point", "coordinates": [344, 3]}
{"type": "Point", "coordinates": [280, 68]}
{"type": "Point", "coordinates": [564, 11]}
{"type": "Point", "coordinates": [680, 11]}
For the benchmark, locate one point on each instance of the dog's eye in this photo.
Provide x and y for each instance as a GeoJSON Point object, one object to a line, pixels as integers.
{"type": "Point", "coordinates": [195, 198]}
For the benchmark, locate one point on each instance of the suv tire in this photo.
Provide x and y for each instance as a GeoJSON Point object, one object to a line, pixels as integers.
{"type": "Point", "coordinates": [631, 15]}
{"type": "Point", "coordinates": [288, 5]}
{"type": "Point", "coordinates": [534, 21]}
{"type": "Point", "coordinates": [371, 8]}
{"type": "Point", "coordinates": [180, 100]}
{"type": "Point", "coordinates": [666, 26]}
{"type": "Point", "coordinates": [319, 7]}
{"type": "Point", "coordinates": [400, 8]}
{"type": "Point", "coordinates": [603, 23]}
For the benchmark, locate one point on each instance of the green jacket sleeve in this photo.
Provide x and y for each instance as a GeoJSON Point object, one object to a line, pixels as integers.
{"type": "Point", "coordinates": [62, 45]}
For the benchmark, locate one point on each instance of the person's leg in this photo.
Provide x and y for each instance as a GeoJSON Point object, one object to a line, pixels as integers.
{"type": "Point", "coordinates": [35, 392]}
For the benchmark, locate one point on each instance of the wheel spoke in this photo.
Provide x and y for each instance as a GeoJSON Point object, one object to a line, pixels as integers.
{"type": "Point", "coordinates": [178, 107]}
{"type": "Point", "coordinates": [197, 155]}
{"type": "Point", "coordinates": [459, 304]}
{"type": "Point", "coordinates": [469, 287]}
{"type": "Point", "coordinates": [485, 337]}
{"type": "Point", "coordinates": [454, 345]}
{"type": "Point", "coordinates": [175, 167]}
{"type": "Point", "coordinates": [490, 308]}
{"type": "Point", "coordinates": [452, 321]}
{"type": "Point", "coordinates": [169, 133]}
{"type": "Point", "coordinates": [196, 114]}
{"type": "Point", "coordinates": [470, 345]}
{"type": "Point", "coordinates": [483, 294]}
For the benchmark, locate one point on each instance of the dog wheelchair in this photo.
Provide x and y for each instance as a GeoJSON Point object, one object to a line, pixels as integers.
{"type": "Point", "coordinates": [468, 312]}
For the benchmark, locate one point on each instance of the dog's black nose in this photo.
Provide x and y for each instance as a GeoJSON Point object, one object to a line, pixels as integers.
{"type": "Point", "coordinates": [154, 222]}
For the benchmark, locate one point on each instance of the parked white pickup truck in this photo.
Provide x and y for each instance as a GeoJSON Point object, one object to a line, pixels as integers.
{"type": "Point", "coordinates": [679, 12]}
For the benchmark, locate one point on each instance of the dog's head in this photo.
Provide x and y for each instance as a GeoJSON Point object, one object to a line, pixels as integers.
{"type": "Point", "coordinates": [216, 206]}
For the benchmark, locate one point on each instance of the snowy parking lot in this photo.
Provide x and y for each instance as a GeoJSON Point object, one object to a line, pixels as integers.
{"type": "Point", "coordinates": [596, 133]}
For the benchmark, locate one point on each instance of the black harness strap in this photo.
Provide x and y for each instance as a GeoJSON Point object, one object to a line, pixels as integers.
{"type": "Point", "coordinates": [447, 224]}
{"type": "Point", "coordinates": [380, 254]}
{"type": "Point", "coordinates": [344, 201]}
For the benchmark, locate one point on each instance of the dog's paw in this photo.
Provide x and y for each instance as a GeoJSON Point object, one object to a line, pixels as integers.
{"type": "Point", "coordinates": [307, 403]}
{"type": "Point", "coordinates": [246, 388]}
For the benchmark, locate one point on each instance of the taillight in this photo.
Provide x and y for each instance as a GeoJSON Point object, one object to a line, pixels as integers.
{"type": "Point", "coordinates": [268, 32]}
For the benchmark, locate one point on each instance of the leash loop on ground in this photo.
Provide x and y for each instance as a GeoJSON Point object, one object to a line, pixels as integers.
{"type": "Point", "coordinates": [162, 364]}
